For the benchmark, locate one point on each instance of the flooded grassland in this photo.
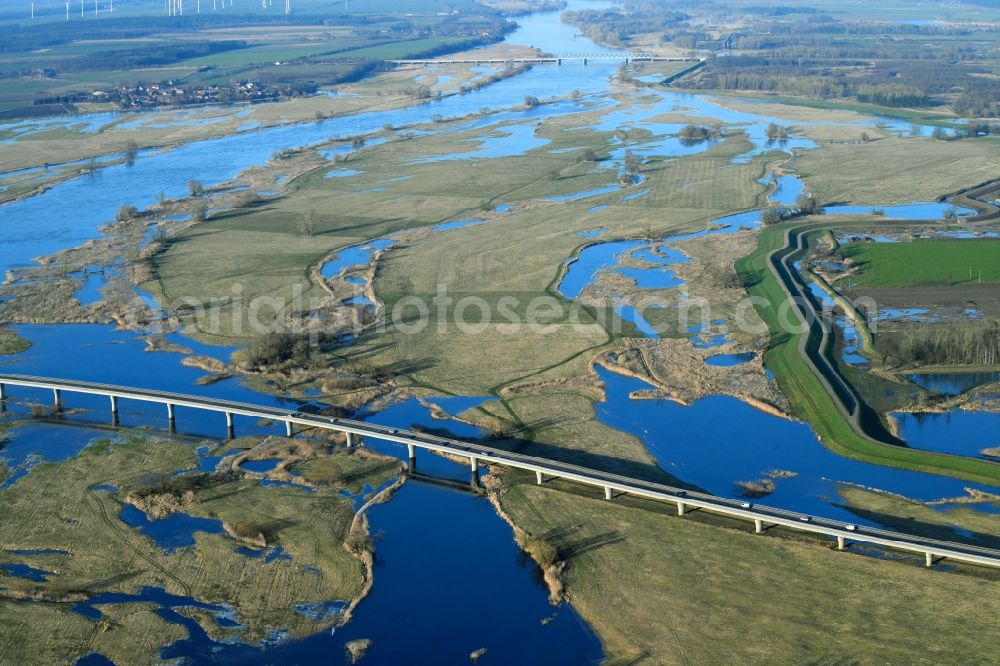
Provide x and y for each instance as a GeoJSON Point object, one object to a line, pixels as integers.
{"type": "Point", "coordinates": [589, 198]}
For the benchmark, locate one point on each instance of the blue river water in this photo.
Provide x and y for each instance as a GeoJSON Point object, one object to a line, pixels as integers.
{"type": "Point", "coordinates": [953, 383]}
{"type": "Point", "coordinates": [752, 444]}
{"type": "Point", "coordinates": [729, 360]}
{"type": "Point", "coordinates": [962, 432]}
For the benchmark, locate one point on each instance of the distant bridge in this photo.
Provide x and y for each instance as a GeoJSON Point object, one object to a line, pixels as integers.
{"type": "Point", "coordinates": [626, 57]}
{"type": "Point", "coordinates": [613, 485]}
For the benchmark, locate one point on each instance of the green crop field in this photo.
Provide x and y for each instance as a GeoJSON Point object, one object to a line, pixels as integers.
{"type": "Point", "coordinates": [267, 54]}
{"type": "Point", "coordinates": [925, 262]}
{"type": "Point", "coordinates": [401, 49]}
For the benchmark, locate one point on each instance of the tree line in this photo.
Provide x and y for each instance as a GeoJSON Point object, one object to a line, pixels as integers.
{"type": "Point", "coordinates": [970, 343]}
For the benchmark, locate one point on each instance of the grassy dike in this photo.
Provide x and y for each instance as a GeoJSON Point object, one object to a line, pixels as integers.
{"type": "Point", "coordinates": [809, 397]}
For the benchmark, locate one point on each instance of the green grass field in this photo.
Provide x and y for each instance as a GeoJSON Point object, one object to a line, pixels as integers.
{"type": "Point", "coordinates": [925, 262]}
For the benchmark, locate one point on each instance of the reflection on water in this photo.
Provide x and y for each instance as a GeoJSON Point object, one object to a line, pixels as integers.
{"type": "Point", "coordinates": [961, 432]}
{"type": "Point", "coordinates": [953, 383]}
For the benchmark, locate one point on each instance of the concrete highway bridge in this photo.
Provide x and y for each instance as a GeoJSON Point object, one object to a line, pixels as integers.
{"type": "Point", "coordinates": [613, 485]}
{"type": "Point", "coordinates": [558, 60]}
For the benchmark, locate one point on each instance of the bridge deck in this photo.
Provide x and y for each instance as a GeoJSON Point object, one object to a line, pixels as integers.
{"type": "Point", "coordinates": [933, 549]}
{"type": "Point", "coordinates": [634, 57]}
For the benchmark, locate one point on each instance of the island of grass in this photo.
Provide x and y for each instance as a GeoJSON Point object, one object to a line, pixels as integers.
{"type": "Point", "coordinates": [11, 343]}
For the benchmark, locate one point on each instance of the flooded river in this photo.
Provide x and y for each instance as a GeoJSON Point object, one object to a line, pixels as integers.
{"type": "Point", "coordinates": [448, 578]}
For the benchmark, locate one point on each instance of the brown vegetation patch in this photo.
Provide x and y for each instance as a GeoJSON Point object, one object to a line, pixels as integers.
{"type": "Point", "coordinates": [247, 533]}
{"type": "Point", "coordinates": [678, 370]}
{"type": "Point", "coordinates": [159, 505]}
{"type": "Point", "coordinates": [357, 648]}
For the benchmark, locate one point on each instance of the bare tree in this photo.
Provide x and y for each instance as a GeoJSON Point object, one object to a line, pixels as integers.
{"type": "Point", "coordinates": [199, 212]}
{"type": "Point", "coordinates": [307, 225]}
{"type": "Point", "coordinates": [131, 150]}
{"type": "Point", "coordinates": [125, 212]}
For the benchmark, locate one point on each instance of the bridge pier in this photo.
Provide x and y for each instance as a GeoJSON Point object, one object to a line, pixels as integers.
{"type": "Point", "coordinates": [559, 61]}
{"type": "Point", "coordinates": [170, 412]}
{"type": "Point", "coordinates": [608, 492]}
{"type": "Point", "coordinates": [3, 393]}
{"type": "Point", "coordinates": [474, 467]}
{"type": "Point", "coordinates": [114, 405]}
{"type": "Point", "coordinates": [56, 399]}
{"type": "Point", "coordinates": [758, 525]}
{"type": "Point", "coordinates": [350, 440]}
{"type": "Point", "coordinates": [411, 452]}
{"type": "Point", "coordinates": [928, 559]}
{"type": "Point", "coordinates": [230, 431]}
{"type": "Point", "coordinates": [289, 429]}
{"type": "Point", "coordinates": [584, 61]}
{"type": "Point", "coordinates": [841, 543]}
{"type": "Point", "coordinates": [540, 478]}
{"type": "Point", "coordinates": [681, 508]}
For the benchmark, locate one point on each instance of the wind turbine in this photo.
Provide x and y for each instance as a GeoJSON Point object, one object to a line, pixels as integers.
{"type": "Point", "coordinates": [67, 10]}
{"type": "Point", "coordinates": [33, 9]}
